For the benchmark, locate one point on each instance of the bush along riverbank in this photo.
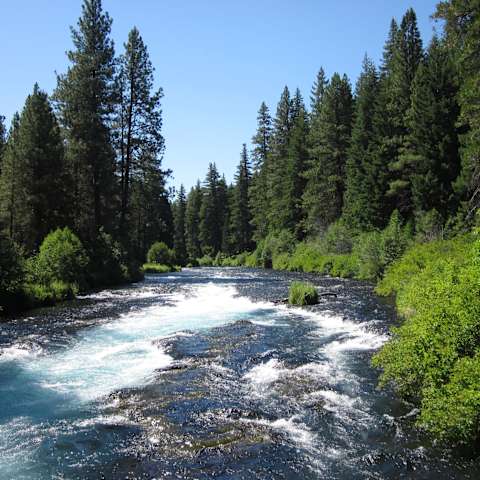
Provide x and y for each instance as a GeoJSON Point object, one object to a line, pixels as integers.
{"type": "Point", "coordinates": [160, 259]}
{"type": "Point", "coordinates": [61, 269]}
{"type": "Point", "coordinates": [433, 359]}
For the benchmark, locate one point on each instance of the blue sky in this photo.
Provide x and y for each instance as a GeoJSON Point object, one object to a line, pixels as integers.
{"type": "Point", "coordinates": [217, 60]}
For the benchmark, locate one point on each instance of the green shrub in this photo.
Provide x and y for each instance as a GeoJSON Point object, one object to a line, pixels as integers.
{"type": "Point", "coordinates": [206, 261]}
{"type": "Point", "coordinates": [368, 249]}
{"type": "Point", "coordinates": [344, 266]}
{"type": "Point", "coordinates": [253, 259]}
{"type": "Point", "coordinates": [160, 253]}
{"type": "Point", "coordinates": [109, 264]}
{"type": "Point", "coordinates": [428, 226]}
{"type": "Point", "coordinates": [302, 293]}
{"type": "Point", "coordinates": [61, 258]}
{"type": "Point", "coordinates": [395, 239]}
{"type": "Point", "coordinates": [158, 268]}
{"type": "Point", "coordinates": [38, 294]}
{"type": "Point", "coordinates": [416, 258]}
{"type": "Point", "coordinates": [433, 357]}
{"type": "Point", "coordinates": [338, 238]}
{"type": "Point", "coordinates": [274, 245]}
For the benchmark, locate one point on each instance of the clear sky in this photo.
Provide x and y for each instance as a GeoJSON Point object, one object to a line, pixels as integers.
{"type": "Point", "coordinates": [217, 60]}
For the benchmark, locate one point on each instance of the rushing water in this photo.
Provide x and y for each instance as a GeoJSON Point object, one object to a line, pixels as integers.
{"type": "Point", "coordinates": [202, 375]}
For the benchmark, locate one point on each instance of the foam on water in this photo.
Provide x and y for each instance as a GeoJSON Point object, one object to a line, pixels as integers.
{"type": "Point", "coordinates": [121, 353]}
{"type": "Point", "coordinates": [111, 356]}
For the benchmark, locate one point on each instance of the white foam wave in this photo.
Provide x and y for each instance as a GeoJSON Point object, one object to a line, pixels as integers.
{"type": "Point", "coordinates": [123, 353]}
{"type": "Point", "coordinates": [297, 431]}
{"type": "Point", "coordinates": [265, 373]}
{"type": "Point", "coordinates": [20, 352]}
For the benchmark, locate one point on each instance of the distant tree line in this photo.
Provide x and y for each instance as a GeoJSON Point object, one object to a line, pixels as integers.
{"type": "Point", "coordinates": [405, 140]}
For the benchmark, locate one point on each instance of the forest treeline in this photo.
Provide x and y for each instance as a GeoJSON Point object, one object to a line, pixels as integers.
{"type": "Point", "coordinates": [399, 149]}
{"type": "Point", "coordinates": [86, 163]}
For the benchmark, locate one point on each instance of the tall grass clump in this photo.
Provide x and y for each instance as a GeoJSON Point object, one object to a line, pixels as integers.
{"type": "Point", "coordinates": [302, 293]}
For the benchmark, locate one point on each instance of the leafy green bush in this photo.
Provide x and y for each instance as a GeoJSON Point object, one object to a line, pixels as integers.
{"type": "Point", "coordinates": [395, 239]}
{"type": "Point", "coordinates": [160, 253]}
{"type": "Point", "coordinates": [206, 261]}
{"type": "Point", "coordinates": [416, 258]}
{"type": "Point", "coordinates": [61, 258]}
{"type": "Point", "coordinates": [302, 293]}
{"type": "Point", "coordinates": [109, 264]}
{"type": "Point", "coordinates": [40, 294]}
{"type": "Point", "coordinates": [433, 357]}
{"type": "Point", "coordinates": [428, 226]}
{"type": "Point", "coordinates": [275, 244]}
{"type": "Point", "coordinates": [368, 249]}
{"type": "Point", "coordinates": [344, 266]}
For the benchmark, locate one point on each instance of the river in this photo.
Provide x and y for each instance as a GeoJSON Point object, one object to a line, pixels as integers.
{"type": "Point", "coordinates": [201, 374]}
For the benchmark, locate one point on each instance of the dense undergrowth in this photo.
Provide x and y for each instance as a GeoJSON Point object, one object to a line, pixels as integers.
{"type": "Point", "coordinates": [62, 268]}
{"type": "Point", "coordinates": [433, 358]}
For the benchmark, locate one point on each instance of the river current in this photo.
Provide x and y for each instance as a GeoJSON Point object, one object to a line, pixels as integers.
{"type": "Point", "coordinates": [204, 374]}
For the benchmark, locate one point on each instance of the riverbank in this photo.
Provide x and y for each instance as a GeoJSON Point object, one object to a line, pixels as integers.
{"type": "Point", "coordinates": [433, 358]}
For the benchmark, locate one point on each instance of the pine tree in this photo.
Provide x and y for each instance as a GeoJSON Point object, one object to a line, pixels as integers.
{"type": "Point", "coordinates": [407, 55]}
{"type": "Point", "coordinates": [40, 148]}
{"type": "Point", "coordinates": [277, 165]}
{"type": "Point", "coordinates": [462, 34]}
{"type": "Point", "coordinates": [241, 217]}
{"type": "Point", "coordinates": [385, 147]}
{"type": "Point", "coordinates": [179, 242]}
{"type": "Point", "coordinates": [13, 194]}
{"type": "Point", "coordinates": [316, 94]}
{"type": "Point", "coordinates": [363, 193]}
{"type": "Point", "coordinates": [323, 196]}
{"type": "Point", "coordinates": [192, 222]}
{"type": "Point", "coordinates": [212, 213]}
{"type": "Point", "coordinates": [229, 234]}
{"type": "Point", "coordinates": [432, 148]}
{"type": "Point", "coordinates": [151, 213]}
{"type": "Point", "coordinates": [139, 119]}
{"type": "Point", "coordinates": [258, 200]}
{"type": "Point", "coordinates": [85, 99]}
{"type": "Point", "coordinates": [297, 159]}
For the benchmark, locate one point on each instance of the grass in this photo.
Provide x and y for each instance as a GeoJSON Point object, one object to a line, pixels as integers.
{"type": "Point", "coordinates": [302, 293]}
{"type": "Point", "coordinates": [159, 268]}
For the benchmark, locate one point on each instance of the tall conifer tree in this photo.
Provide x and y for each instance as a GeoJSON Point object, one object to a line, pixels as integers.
{"type": "Point", "coordinates": [432, 149]}
{"type": "Point", "coordinates": [212, 212]}
{"type": "Point", "coordinates": [85, 100]}
{"type": "Point", "coordinates": [14, 212]}
{"type": "Point", "coordinates": [323, 196]}
{"type": "Point", "coordinates": [179, 242]}
{"type": "Point", "coordinates": [192, 222]}
{"type": "Point", "coordinates": [407, 56]}
{"type": "Point", "coordinates": [363, 194]}
{"type": "Point", "coordinates": [277, 166]}
{"type": "Point", "coordinates": [260, 155]}
{"type": "Point", "coordinates": [140, 142]}
{"type": "Point", "coordinates": [241, 227]}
